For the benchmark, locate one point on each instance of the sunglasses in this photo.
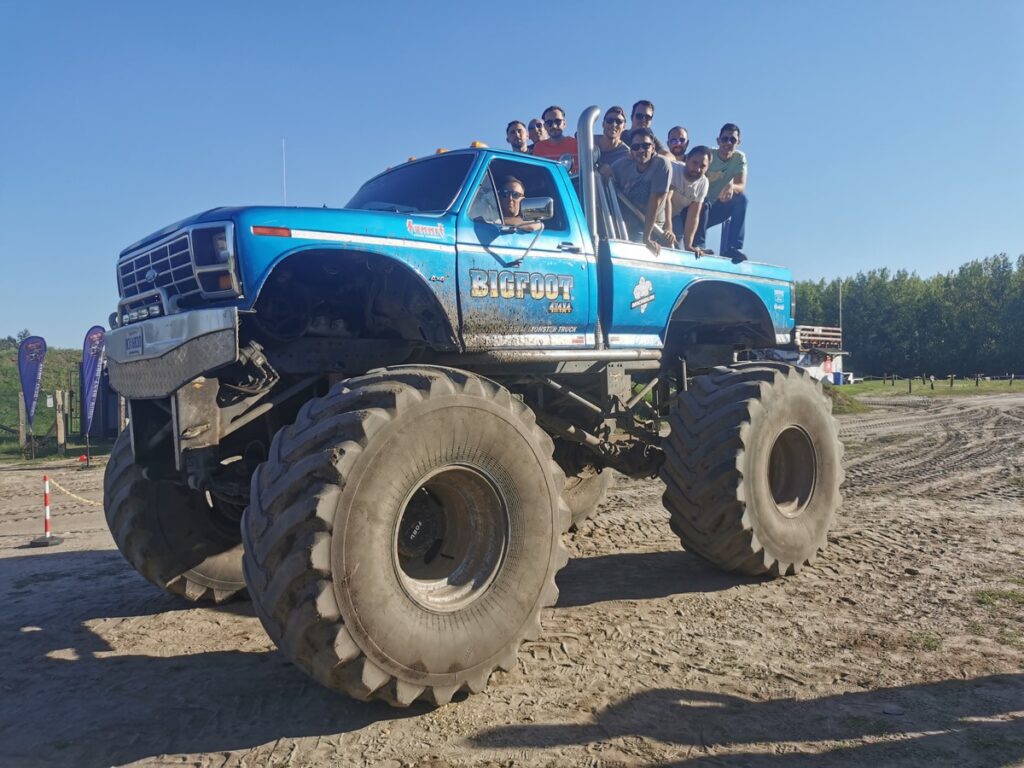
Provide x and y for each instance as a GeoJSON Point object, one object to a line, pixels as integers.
{"type": "Point", "coordinates": [551, 123]}
{"type": "Point", "coordinates": [512, 193]}
{"type": "Point", "coordinates": [639, 116]}
{"type": "Point", "coordinates": [615, 121]}
{"type": "Point", "coordinates": [673, 142]}
{"type": "Point", "coordinates": [727, 139]}
{"type": "Point", "coordinates": [641, 147]}
{"type": "Point", "coordinates": [536, 126]}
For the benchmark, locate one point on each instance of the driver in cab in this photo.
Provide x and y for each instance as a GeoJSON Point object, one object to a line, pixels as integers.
{"type": "Point", "coordinates": [510, 196]}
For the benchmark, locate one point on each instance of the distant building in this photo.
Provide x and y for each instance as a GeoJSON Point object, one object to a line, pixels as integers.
{"type": "Point", "coordinates": [817, 349]}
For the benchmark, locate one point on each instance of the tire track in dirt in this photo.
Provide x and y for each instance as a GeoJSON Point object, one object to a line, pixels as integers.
{"type": "Point", "coordinates": [963, 454]}
{"type": "Point", "coordinates": [650, 657]}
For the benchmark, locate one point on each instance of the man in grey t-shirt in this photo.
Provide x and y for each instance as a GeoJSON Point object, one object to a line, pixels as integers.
{"type": "Point", "coordinates": [644, 179]}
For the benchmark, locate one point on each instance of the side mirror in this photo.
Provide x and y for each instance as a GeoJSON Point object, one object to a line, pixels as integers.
{"type": "Point", "coordinates": [537, 208]}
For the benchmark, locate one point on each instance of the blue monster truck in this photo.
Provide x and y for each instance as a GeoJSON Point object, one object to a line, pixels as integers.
{"type": "Point", "coordinates": [381, 420]}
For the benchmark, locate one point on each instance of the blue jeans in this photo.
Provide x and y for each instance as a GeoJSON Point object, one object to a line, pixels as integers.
{"type": "Point", "coordinates": [679, 223]}
{"type": "Point", "coordinates": [716, 212]}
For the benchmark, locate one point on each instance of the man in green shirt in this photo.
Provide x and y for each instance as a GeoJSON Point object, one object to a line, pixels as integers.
{"type": "Point", "coordinates": [727, 201]}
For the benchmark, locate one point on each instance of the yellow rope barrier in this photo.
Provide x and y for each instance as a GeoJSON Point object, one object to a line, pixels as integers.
{"type": "Point", "coordinates": [74, 495]}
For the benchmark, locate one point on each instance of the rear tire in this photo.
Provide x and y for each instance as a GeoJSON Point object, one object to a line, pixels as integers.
{"type": "Point", "coordinates": [585, 484]}
{"type": "Point", "coordinates": [169, 533]}
{"type": "Point", "coordinates": [752, 468]}
{"type": "Point", "coordinates": [404, 534]}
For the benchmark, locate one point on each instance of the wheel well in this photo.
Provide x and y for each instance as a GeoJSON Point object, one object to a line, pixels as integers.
{"type": "Point", "coordinates": [344, 294]}
{"type": "Point", "coordinates": [715, 312]}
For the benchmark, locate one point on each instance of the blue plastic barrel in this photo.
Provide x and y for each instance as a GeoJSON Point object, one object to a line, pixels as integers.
{"type": "Point", "coordinates": [837, 377]}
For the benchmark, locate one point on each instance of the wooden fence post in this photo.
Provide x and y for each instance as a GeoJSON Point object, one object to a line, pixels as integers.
{"type": "Point", "coordinates": [58, 421]}
{"type": "Point", "coordinates": [910, 385]}
{"type": "Point", "coordinates": [951, 376]}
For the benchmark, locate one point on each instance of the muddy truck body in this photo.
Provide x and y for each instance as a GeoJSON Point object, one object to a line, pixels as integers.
{"type": "Point", "coordinates": [379, 421]}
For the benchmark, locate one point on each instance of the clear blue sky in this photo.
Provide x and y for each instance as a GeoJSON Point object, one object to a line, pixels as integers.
{"type": "Point", "coordinates": [879, 134]}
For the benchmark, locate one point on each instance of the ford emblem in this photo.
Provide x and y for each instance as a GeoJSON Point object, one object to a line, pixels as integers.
{"type": "Point", "coordinates": [151, 275]}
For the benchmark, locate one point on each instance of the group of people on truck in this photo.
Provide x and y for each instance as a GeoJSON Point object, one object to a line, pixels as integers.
{"type": "Point", "coordinates": [670, 193]}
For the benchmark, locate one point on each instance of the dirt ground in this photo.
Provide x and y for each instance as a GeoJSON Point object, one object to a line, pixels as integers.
{"type": "Point", "coordinates": [902, 646]}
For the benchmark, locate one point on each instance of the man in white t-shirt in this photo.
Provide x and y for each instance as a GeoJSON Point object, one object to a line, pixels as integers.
{"type": "Point", "coordinates": [689, 190]}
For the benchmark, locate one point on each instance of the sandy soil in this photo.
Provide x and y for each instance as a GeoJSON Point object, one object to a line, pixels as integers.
{"type": "Point", "coordinates": [902, 646]}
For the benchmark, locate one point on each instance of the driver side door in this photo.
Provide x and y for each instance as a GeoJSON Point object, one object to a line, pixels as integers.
{"type": "Point", "coordinates": [522, 288]}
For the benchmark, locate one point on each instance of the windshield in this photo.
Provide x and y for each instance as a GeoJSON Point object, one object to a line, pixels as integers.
{"type": "Point", "coordinates": [429, 186]}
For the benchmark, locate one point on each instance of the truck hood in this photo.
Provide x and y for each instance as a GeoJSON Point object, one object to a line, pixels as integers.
{"type": "Point", "coordinates": [214, 214]}
{"type": "Point", "coordinates": [329, 220]}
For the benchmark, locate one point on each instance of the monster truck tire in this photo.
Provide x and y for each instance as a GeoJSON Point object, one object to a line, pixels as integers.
{"type": "Point", "coordinates": [752, 469]}
{"type": "Point", "coordinates": [169, 533]}
{"type": "Point", "coordinates": [584, 491]}
{"type": "Point", "coordinates": [404, 534]}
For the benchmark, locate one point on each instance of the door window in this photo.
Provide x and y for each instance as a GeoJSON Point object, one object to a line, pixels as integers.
{"type": "Point", "coordinates": [537, 181]}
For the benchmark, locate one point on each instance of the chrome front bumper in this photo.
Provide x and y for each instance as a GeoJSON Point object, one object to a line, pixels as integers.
{"type": "Point", "coordinates": [154, 358]}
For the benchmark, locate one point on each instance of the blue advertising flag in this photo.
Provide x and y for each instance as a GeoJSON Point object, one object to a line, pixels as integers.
{"type": "Point", "coordinates": [92, 362]}
{"type": "Point", "coordinates": [31, 354]}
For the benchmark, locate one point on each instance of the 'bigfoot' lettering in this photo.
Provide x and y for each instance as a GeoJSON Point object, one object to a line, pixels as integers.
{"type": "Point", "coordinates": [484, 283]}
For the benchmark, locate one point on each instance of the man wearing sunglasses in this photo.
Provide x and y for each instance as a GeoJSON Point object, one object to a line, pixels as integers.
{"type": "Point", "coordinates": [510, 197]}
{"type": "Point", "coordinates": [537, 133]}
{"type": "Point", "coordinates": [557, 144]}
{"type": "Point", "coordinates": [515, 135]}
{"type": "Point", "coordinates": [644, 179]}
{"type": "Point", "coordinates": [610, 142]}
{"type": "Point", "coordinates": [641, 117]}
{"type": "Point", "coordinates": [727, 182]}
{"type": "Point", "coordinates": [678, 141]}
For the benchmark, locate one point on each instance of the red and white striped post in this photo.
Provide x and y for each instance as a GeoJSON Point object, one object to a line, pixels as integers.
{"type": "Point", "coordinates": [47, 539]}
{"type": "Point", "coordinates": [46, 506]}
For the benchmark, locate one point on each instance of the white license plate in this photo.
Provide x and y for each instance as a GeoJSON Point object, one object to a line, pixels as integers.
{"type": "Point", "coordinates": [133, 342]}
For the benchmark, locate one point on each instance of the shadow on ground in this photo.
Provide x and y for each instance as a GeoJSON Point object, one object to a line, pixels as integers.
{"type": "Point", "coordinates": [953, 722]}
{"type": "Point", "coordinates": [89, 707]}
{"type": "Point", "coordinates": [640, 576]}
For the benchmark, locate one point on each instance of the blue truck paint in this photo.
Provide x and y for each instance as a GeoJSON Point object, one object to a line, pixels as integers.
{"type": "Point", "coordinates": [395, 236]}
{"type": "Point", "coordinates": [671, 274]}
{"type": "Point", "coordinates": [447, 251]}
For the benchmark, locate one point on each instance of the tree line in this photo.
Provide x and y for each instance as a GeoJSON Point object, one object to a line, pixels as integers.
{"type": "Point", "coordinates": [11, 342]}
{"type": "Point", "coordinates": [964, 322]}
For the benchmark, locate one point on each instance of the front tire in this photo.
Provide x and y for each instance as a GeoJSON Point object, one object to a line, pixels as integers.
{"type": "Point", "coordinates": [404, 535]}
{"type": "Point", "coordinates": [169, 533]}
{"type": "Point", "coordinates": [752, 469]}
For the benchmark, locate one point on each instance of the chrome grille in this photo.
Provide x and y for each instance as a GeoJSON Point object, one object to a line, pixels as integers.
{"type": "Point", "coordinates": [166, 269]}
